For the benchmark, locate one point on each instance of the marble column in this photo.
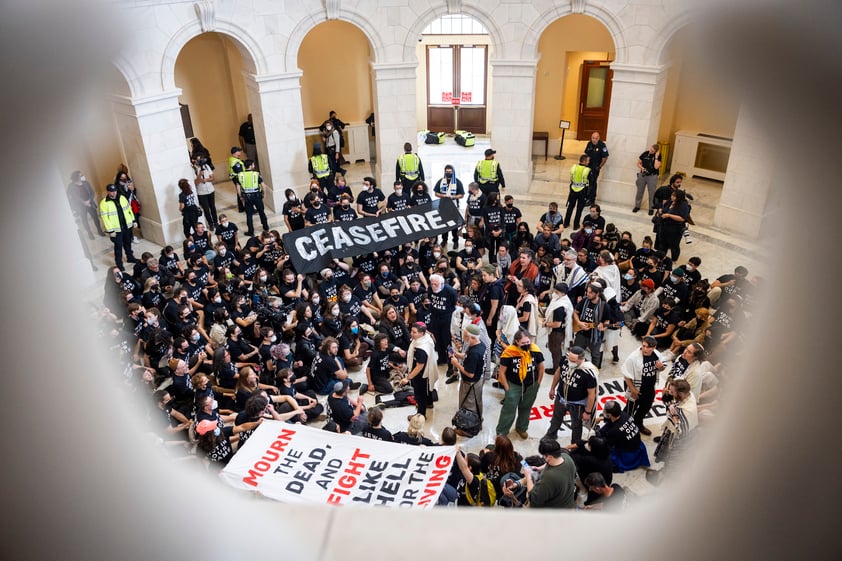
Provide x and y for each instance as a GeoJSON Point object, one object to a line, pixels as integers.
{"type": "Point", "coordinates": [153, 138]}
{"type": "Point", "coordinates": [637, 98]}
{"type": "Point", "coordinates": [747, 196]}
{"type": "Point", "coordinates": [275, 105]}
{"type": "Point", "coordinates": [513, 95]}
{"type": "Point", "coordinates": [394, 106]}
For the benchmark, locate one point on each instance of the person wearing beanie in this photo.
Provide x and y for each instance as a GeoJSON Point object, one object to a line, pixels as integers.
{"type": "Point", "coordinates": [470, 364]}
{"type": "Point", "coordinates": [639, 309]}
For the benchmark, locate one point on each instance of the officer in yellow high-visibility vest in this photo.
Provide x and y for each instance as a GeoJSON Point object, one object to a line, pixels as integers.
{"type": "Point", "coordinates": [408, 168]}
{"type": "Point", "coordinates": [118, 221]}
{"type": "Point", "coordinates": [235, 166]}
{"type": "Point", "coordinates": [321, 167]}
{"type": "Point", "coordinates": [488, 174]}
{"type": "Point", "coordinates": [579, 188]}
{"type": "Point", "coordinates": [250, 191]}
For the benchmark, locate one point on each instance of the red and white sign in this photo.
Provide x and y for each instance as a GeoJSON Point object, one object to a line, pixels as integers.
{"type": "Point", "coordinates": [300, 464]}
{"type": "Point", "coordinates": [466, 97]}
{"type": "Point", "coordinates": [446, 97]}
{"type": "Point", "coordinates": [455, 101]}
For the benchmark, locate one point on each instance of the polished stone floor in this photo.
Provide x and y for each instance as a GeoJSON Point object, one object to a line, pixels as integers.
{"type": "Point", "coordinates": [720, 253]}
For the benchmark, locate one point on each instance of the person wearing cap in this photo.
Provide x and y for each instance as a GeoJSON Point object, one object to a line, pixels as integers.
{"type": "Point", "coordinates": [639, 309]}
{"type": "Point", "coordinates": [321, 168]}
{"type": "Point", "coordinates": [118, 221]}
{"type": "Point", "coordinates": [590, 320]}
{"type": "Point", "coordinates": [572, 274]}
{"type": "Point", "coordinates": [216, 445]}
{"type": "Point", "coordinates": [83, 202]}
{"type": "Point", "coordinates": [558, 322]}
{"type": "Point", "coordinates": [235, 166]}
{"type": "Point", "coordinates": [520, 373]}
{"type": "Point", "coordinates": [346, 411]}
{"type": "Point", "coordinates": [250, 188]}
{"type": "Point", "coordinates": [470, 362]}
{"type": "Point", "coordinates": [573, 390]}
{"type": "Point", "coordinates": [577, 196]}
{"type": "Point", "coordinates": [640, 371]}
{"type": "Point", "coordinates": [488, 174]}
{"type": "Point", "coordinates": [676, 288]}
{"type": "Point", "coordinates": [408, 168]}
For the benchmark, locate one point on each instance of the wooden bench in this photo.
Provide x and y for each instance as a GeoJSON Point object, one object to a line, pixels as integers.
{"type": "Point", "coordinates": [545, 136]}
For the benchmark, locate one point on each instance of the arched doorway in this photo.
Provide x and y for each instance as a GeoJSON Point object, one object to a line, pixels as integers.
{"type": "Point", "coordinates": [335, 58]}
{"type": "Point", "coordinates": [453, 81]}
{"type": "Point", "coordinates": [573, 81]}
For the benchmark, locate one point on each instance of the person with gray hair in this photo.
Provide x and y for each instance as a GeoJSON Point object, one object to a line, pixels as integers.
{"type": "Point", "coordinates": [470, 362]}
{"type": "Point", "coordinates": [443, 303]}
{"type": "Point", "coordinates": [572, 274]}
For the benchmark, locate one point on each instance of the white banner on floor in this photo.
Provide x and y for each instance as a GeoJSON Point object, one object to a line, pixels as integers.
{"type": "Point", "coordinates": [300, 464]}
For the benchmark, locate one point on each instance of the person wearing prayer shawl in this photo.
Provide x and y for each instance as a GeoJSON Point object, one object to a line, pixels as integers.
{"type": "Point", "coordinates": [421, 360]}
{"type": "Point", "coordinates": [520, 373]}
{"type": "Point", "coordinates": [572, 274]}
{"type": "Point", "coordinates": [558, 322]}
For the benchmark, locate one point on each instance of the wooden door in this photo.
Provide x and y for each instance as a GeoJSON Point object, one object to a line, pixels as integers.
{"type": "Point", "coordinates": [457, 72]}
{"type": "Point", "coordinates": [594, 99]}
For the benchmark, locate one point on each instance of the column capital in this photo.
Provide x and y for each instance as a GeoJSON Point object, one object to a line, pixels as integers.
{"type": "Point", "coordinates": [146, 105]}
{"type": "Point", "coordinates": [265, 83]}
{"type": "Point", "coordinates": [637, 73]}
{"type": "Point", "coordinates": [394, 70]}
{"type": "Point", "coordinates": [514, 67]}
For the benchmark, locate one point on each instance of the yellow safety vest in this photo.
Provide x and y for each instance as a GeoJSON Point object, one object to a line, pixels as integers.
{"type": "Point", "coordinates": [579, 177]}
{"type": "Point", "coordinates": [321, 165]}
{"type": "Point", "coordinates": [249, 181]}
{"type": "Point", "coordinates": [233, 161]}
{"type": "Point", "coordinates": [108, 213]}
{"type": "Point", "coordinates": [487, 171]}
{"type": "Point", "coordinates": [409, 164]}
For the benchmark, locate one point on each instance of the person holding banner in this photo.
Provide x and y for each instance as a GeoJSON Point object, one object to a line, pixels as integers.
{"type": "Point", "coordinates": [327, 368]}
{"type": "Point", "coordinates": [423, 372]}
{"type": "Point", "coordinates": [450, 187]}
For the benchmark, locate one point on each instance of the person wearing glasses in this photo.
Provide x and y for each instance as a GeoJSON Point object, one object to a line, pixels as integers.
{"type": "Point", "coordinates": [640, 371]}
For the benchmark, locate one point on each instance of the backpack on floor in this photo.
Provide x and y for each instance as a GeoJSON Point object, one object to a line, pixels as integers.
{"type": "Point", "coordinates": [465, 138]}
{"type": "Point", "coordinates": [487, 495]}
{"type": "Point", "coordinates": [434, 137]}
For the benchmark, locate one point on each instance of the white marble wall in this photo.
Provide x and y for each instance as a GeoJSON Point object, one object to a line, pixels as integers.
{"type": "Point", "coordinates": [394, 105]}
{"type": "Point", "coordinates": [637, 96]}
{"type": "Point", "coordinates": [153, 138]}
{"type": "Point", "coordinates": [275, 103]}
{"type": "Point", "coordinates": [514, 103]}
{"type": "Point", "coordinates": [752, 170]}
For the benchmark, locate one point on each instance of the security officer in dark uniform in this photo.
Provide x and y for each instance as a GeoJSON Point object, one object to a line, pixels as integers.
{"type": "Point", "coordinates": [647, 176]}
{"type": "Point", "coordinates": [408, 169]}
{"type": "Point", "coordinates": [235, 166]}
{"type": "Point", "coordinates": [597, 151]}
{"type": "Point", "coordinates": [250, 191]}
{"type": "Point", "coordinates": [321, 167]}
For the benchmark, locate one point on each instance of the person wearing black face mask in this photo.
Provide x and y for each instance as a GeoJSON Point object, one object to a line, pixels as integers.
{"type": "Point", "coordinates": [511, 218]}
{"type": "Point", "coordinates": [293, 211]}
{"type": "Point", "coordinates": [450, 187]}
{"type": "Point", "coordinates": [520, 373]}
{"type": "Point", "coordinates": [420, 196]}
{"type": "Point", "coordinates": [344, 212]}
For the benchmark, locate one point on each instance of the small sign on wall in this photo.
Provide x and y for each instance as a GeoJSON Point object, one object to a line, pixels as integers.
{"type": "Point", "coordinates": [466, 97]}
{"type": "Point", "coordinates": [446, 97]}
{"type": "Point", "coordinates": [455, 101]}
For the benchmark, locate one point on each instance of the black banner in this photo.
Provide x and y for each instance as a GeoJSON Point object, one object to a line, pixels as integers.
{"type": "Point", "coordinates": [313, 248]}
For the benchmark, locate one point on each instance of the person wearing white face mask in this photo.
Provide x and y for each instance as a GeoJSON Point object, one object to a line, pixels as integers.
{"type": "Point", "coordinates": [399, 199]}
{"type": "Point", "coordinates": [450, 187]}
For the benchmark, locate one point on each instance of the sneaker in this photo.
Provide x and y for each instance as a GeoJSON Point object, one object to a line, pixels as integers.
{"type": "Point", "coordinates": [451, 379]}
{"type": "Point", "coordinates": [635, 209]}
{"type": "Point", "coordinates": [356, 385]}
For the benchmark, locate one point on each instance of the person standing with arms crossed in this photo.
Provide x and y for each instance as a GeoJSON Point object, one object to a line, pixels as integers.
{"type": "Point", "coordinates": [250, 188]}
{"type": "Point", "coordinates": [597, 152]}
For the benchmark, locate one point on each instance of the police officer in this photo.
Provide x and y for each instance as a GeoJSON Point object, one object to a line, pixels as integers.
{"type": "Point", "coordinates": [321, 167]}
{"type": "Point", "coordinates": [235, 166]}
{"type": "Point", "coordinates": [250, 192]}
{"type": "Point", "coordinates": [648, 165]}
{"type": "Point", "coordinates": [118, 220]}
{"type": "Point", "coordinates": [488, 174]}
{"type": "Point", "coordinates": [408, 169]}
{"type": "Point", "coordinates": [578, 195]}
{"type": "Point", "coordinates": [597, 151]}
